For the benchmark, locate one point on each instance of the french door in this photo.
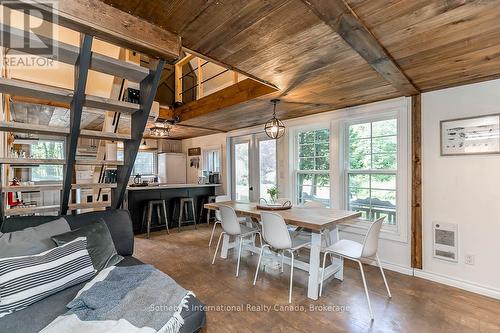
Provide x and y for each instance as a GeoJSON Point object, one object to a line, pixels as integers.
{"type": "Point", "coordinates": [253, 166]}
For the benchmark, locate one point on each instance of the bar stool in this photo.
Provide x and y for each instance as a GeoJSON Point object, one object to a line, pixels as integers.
{"type": "Point", "coordinates": [148, 212]}
{"type": "Point", "coordinates": [181, 207]}
{"type": "Point", "coordinates": [207, 199]}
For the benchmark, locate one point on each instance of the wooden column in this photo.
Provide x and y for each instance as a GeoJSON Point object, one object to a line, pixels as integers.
{"type": "Point", "coordinates": [416, 188]}
{"type": "Point", "coordinates": [199, 72]}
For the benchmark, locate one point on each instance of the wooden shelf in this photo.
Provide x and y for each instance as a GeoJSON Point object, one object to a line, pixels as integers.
{"type": "Point", "coordinates": [30, 161]}
{"type": "Point", "coordinates": [7, 126]}
{"type": "Point", "coordinates": [69, 54]}
{"type": "Point", "coordinates": [54, 187]}
{"type": "Point", "coordinates": [30, 210]}
{"type": "Point", "coordinates": [99, 162]}
{"type": "Point", "coordinates": [91, 186]}
{"type": "Point", "coordinates": [34, 161]}
{"type": "Point", "coordinates": [89, 205]}
{"type": "Point", "coordinates": [32, 188]}
{"type": "Point", "coordinates": [36, 90]}
{"type": "Point", "coordinates": [104, 135]}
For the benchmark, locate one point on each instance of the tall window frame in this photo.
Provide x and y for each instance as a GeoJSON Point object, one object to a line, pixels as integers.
{"type": "Point", "coordinates": [371, 161]}
{"type": "Point", "coordinates": [320, 177]}
{"type": "Point", "coordinates": [395, 110]}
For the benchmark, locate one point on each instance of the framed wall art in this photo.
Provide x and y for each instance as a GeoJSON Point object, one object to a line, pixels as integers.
{"type": "Point", "coordinates": [473, 135]}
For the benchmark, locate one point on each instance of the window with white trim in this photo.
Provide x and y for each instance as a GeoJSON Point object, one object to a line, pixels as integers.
{"type": "Point", "coordinates": [145, 163]}
{"type": "Point", "coordinates": [47, 150]}
{"type": "Point", "coordinates": [371, 169]}
{"type": "Point", "coordinates": [312, 169]}
{"type": "Point", "coordinates": [212, 160]}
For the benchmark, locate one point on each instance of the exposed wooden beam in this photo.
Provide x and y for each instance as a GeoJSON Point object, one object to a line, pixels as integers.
{"type": "Point", "coordinates": [81, 73]}
{"type": "Point", "coordinates": [202, 128]}
{"type": "Point", "coordinates": [95, 18]}
{"type": "Point", "coordinates": [341, 18]}
{"type": "Point", "coordinates": [416, 200]}
{"type": "Point", "coordinates": [235, 94]}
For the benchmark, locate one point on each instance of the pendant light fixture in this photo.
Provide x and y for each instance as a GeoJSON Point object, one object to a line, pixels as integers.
{"type": "Point", "coordinates": [160, 130]}
{"type": "Point", "coordinates": [274, 128]}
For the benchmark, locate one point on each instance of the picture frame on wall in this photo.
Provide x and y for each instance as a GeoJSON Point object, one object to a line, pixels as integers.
{"type": "Point", "coordinates": [471, 136]}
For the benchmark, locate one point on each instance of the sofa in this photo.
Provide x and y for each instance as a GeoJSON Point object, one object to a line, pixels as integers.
{"type": "Point", "coordinates": [38, 315]}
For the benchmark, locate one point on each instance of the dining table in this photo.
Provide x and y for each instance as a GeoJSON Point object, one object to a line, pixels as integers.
{"type": "Point", "coordinates": [321, 224]}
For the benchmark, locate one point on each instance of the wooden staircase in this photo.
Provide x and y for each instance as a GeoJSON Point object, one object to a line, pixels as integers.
{"type": "Point", "coordinates": [83, 60]}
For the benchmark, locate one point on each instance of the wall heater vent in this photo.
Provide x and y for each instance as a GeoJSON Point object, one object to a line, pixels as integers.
{"type": "Point", "coordinates": [445, 241]}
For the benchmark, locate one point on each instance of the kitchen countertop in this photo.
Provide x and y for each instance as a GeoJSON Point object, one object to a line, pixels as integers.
{"type": "Point", "coordinates": [167, 186]}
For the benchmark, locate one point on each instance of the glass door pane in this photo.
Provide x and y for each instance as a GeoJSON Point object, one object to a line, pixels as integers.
{"type": "Point", "coordinates": [267, 167]}
{"type": "Point", "coordinates": [241, 174]}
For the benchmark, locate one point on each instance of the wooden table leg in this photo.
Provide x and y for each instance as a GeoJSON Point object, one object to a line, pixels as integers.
{"type": "Point", "coordinates": [314, 266]}
{"type": "Point", "coordinates": [334, 236]}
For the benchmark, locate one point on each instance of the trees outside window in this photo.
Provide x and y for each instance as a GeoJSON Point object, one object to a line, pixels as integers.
{"type": "Point", "coordinates": [47, 150]}
{"type": "Point", "coordinates": [372, 169]}
{"type": "Point", "coordinates": [313, 166]}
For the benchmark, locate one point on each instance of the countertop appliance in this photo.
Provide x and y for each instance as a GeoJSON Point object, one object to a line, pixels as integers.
{"type": "Point", "coordinates": [172, 168]}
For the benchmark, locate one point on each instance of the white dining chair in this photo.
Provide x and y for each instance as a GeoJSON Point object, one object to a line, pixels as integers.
{"type": "Point", "coordinates": [232, 227]}
{"type": "Point", "coordinates": [277, 237]}
{"type": "Point", "coordinates": [221, 198]}
{"type": "Point", "coordinates": [355, 251]}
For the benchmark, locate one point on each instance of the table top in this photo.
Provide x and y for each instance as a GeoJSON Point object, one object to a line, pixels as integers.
{"type": "Point", "coordinates": [311, 218]}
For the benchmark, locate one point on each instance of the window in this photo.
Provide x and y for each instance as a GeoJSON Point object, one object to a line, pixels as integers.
{"type": "Point", "coordinates": [47, 150]}
{"type": "Point", "coordinates": [212, 160]}
{"type": "Point", "coordinates": [372, 169]}
{"type": "Point", "coordinates": [145, 163]}
{"type": "Point", "coordinates": [313, 166]}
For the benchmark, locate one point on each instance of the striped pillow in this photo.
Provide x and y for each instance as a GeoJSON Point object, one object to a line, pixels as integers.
{"type": "Point", "coordinates": [28, 279]}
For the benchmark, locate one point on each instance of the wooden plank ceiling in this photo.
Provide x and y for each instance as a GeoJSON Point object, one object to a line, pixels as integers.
{"type": "Point", "coordinates": [436, 43]}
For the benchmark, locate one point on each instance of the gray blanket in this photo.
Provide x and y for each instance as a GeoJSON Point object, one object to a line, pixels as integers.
{"type": "Point", "coordinates": [126, 299]}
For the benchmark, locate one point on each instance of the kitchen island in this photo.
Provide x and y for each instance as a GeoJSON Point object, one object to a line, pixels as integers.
{"type": "Point", "coordinates": [137, 197]}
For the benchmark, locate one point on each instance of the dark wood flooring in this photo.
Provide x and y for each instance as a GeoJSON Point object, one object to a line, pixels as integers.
{"type": "Point", "coordinates": [417, 305]}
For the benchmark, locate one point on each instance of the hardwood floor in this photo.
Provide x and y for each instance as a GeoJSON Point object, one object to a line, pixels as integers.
{"type": "Point", "coordinates": [417, 305]}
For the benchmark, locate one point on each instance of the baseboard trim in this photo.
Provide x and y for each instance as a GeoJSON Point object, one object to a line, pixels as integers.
{"type": "Point", "coordinates": [461, 284]}
{"type": "Point", "coordinates": [394, 267]}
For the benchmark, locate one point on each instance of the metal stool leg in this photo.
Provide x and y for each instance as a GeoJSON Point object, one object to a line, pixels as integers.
{"type": "Point", "coordinates": [144, 211]}
{"type": "Point", "coordinates": [150, 212]}
{"type": "Point", "coordinates": [181, 214]}
{"type": "Point", "coordinates": [165, 213]}
{"type": "Point", "coordinates": [194, 214]}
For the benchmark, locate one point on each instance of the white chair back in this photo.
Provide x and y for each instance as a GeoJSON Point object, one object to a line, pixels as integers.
{"type": "Point", "coordinates": [221, 198]}
{"type": "Point", "coordinates": [370, 244]}
{"type": "Point", "coordinates": [229, 220]}
{"type": "Point", "coordinates": [313, 204]}
{"type": "Point", "coordinates": [275, 231]}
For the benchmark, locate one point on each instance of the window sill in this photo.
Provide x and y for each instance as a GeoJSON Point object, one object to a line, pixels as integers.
{"type": "Point", "coordinates": [387, 232]}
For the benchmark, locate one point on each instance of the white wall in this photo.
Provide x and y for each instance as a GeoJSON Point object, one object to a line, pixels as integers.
{"type": "Point", "coordinates": [462, 190]}
{"type": "Point", "coordinates": [207, 142]}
